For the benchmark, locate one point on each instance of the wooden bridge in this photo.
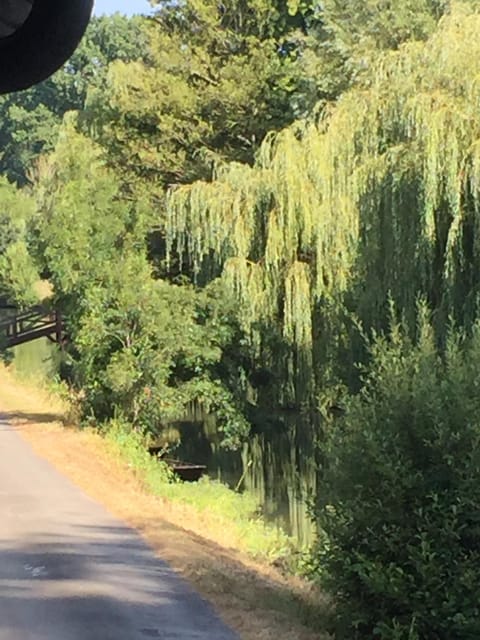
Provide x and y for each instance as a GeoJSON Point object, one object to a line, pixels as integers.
{"type": "Point", "coordinates": [31, 324]}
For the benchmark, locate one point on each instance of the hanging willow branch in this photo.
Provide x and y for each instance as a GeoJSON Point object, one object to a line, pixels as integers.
{"type": "Point", "coordinates": [381, 198]}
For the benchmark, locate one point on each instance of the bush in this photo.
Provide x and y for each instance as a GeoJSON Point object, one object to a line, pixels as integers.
{"type": "Point", "coordinates": [132, 447]}
{"type": "Point", "coordinates": [400, 503]}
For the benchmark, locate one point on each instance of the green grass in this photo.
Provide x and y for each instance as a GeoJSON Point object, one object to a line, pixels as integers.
{"type": "Point", "coordinates": [239, 511]}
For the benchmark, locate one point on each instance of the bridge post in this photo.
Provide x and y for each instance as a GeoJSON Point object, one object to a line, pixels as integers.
{"type": "Point", "coordinates": [58, 327]}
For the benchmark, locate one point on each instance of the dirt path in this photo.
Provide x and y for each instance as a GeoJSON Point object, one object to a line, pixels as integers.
{"type": "Point", "coordinates": [256, 601]}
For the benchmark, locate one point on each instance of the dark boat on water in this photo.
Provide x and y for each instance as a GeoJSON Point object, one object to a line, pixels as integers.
{"type": "Point", "coordinates": [187, 471]}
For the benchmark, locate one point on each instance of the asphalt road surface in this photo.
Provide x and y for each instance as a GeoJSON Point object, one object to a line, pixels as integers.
{"type": "Point", "coordinates": [69, 571]}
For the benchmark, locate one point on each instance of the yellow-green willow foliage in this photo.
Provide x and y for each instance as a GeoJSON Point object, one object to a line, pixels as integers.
{"type": "Point", "coordinates": [381, 198]}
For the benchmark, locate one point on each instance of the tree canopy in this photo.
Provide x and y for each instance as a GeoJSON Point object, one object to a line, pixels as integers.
{"type": "Point", "coordinates": [378, 200]}
{"type": "Point", "coordinates": [29, 121]}
{"type": "Point", "coordinates": [218, 78]}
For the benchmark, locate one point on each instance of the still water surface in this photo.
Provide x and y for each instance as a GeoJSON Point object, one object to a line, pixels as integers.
{"type": "Point", "coordinates": [279, 468]}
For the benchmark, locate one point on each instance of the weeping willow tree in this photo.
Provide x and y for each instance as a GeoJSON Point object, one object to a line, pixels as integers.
{"type": "Point", "coordinates": [378, 201]}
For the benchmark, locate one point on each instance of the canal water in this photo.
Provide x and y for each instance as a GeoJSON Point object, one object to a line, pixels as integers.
{"type": "Point", "coordinates": [278, 467]}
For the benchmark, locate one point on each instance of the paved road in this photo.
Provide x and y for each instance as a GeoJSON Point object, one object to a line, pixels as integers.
{"type": "Point", "coordinates": [69, 571]}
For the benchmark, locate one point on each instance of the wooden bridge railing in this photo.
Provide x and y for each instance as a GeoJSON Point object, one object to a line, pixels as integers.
{"type": "Point", "coordinates": [34, 323]}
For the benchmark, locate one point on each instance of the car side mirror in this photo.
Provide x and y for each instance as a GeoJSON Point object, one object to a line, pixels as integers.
{"type": "Point", "coordinates": [37, 37]}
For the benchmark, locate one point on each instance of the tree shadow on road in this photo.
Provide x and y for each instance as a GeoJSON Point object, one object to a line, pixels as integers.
{"type": "Point", "coordinates": [22, 418]}
{"type": "Point", "coordinates": [102, 584]}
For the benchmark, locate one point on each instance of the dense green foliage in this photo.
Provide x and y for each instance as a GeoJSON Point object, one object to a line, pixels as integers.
{"type": "Point", "coordinates": [142, 348]}
{"type": "Point", "coordinates": [217, 79]}
{"type": "Point", "coordinates": [400, 494]}
{"type": "Point", "coordinates": [18, 272]}
{"type": "Point", "coordinates": [377, 200]}
{"type": "Point", "coordinates": [29, 121]}
{"type": "Point", "coordinates": [243, 193]}
{"type": "Point", "coordinates": [356, 30]}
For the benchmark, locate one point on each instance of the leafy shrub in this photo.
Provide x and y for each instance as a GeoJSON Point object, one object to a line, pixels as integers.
{"type": "Point", "coordinates": [401, 495]}
{"type": "Point", "coordinates": [132, 447]}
